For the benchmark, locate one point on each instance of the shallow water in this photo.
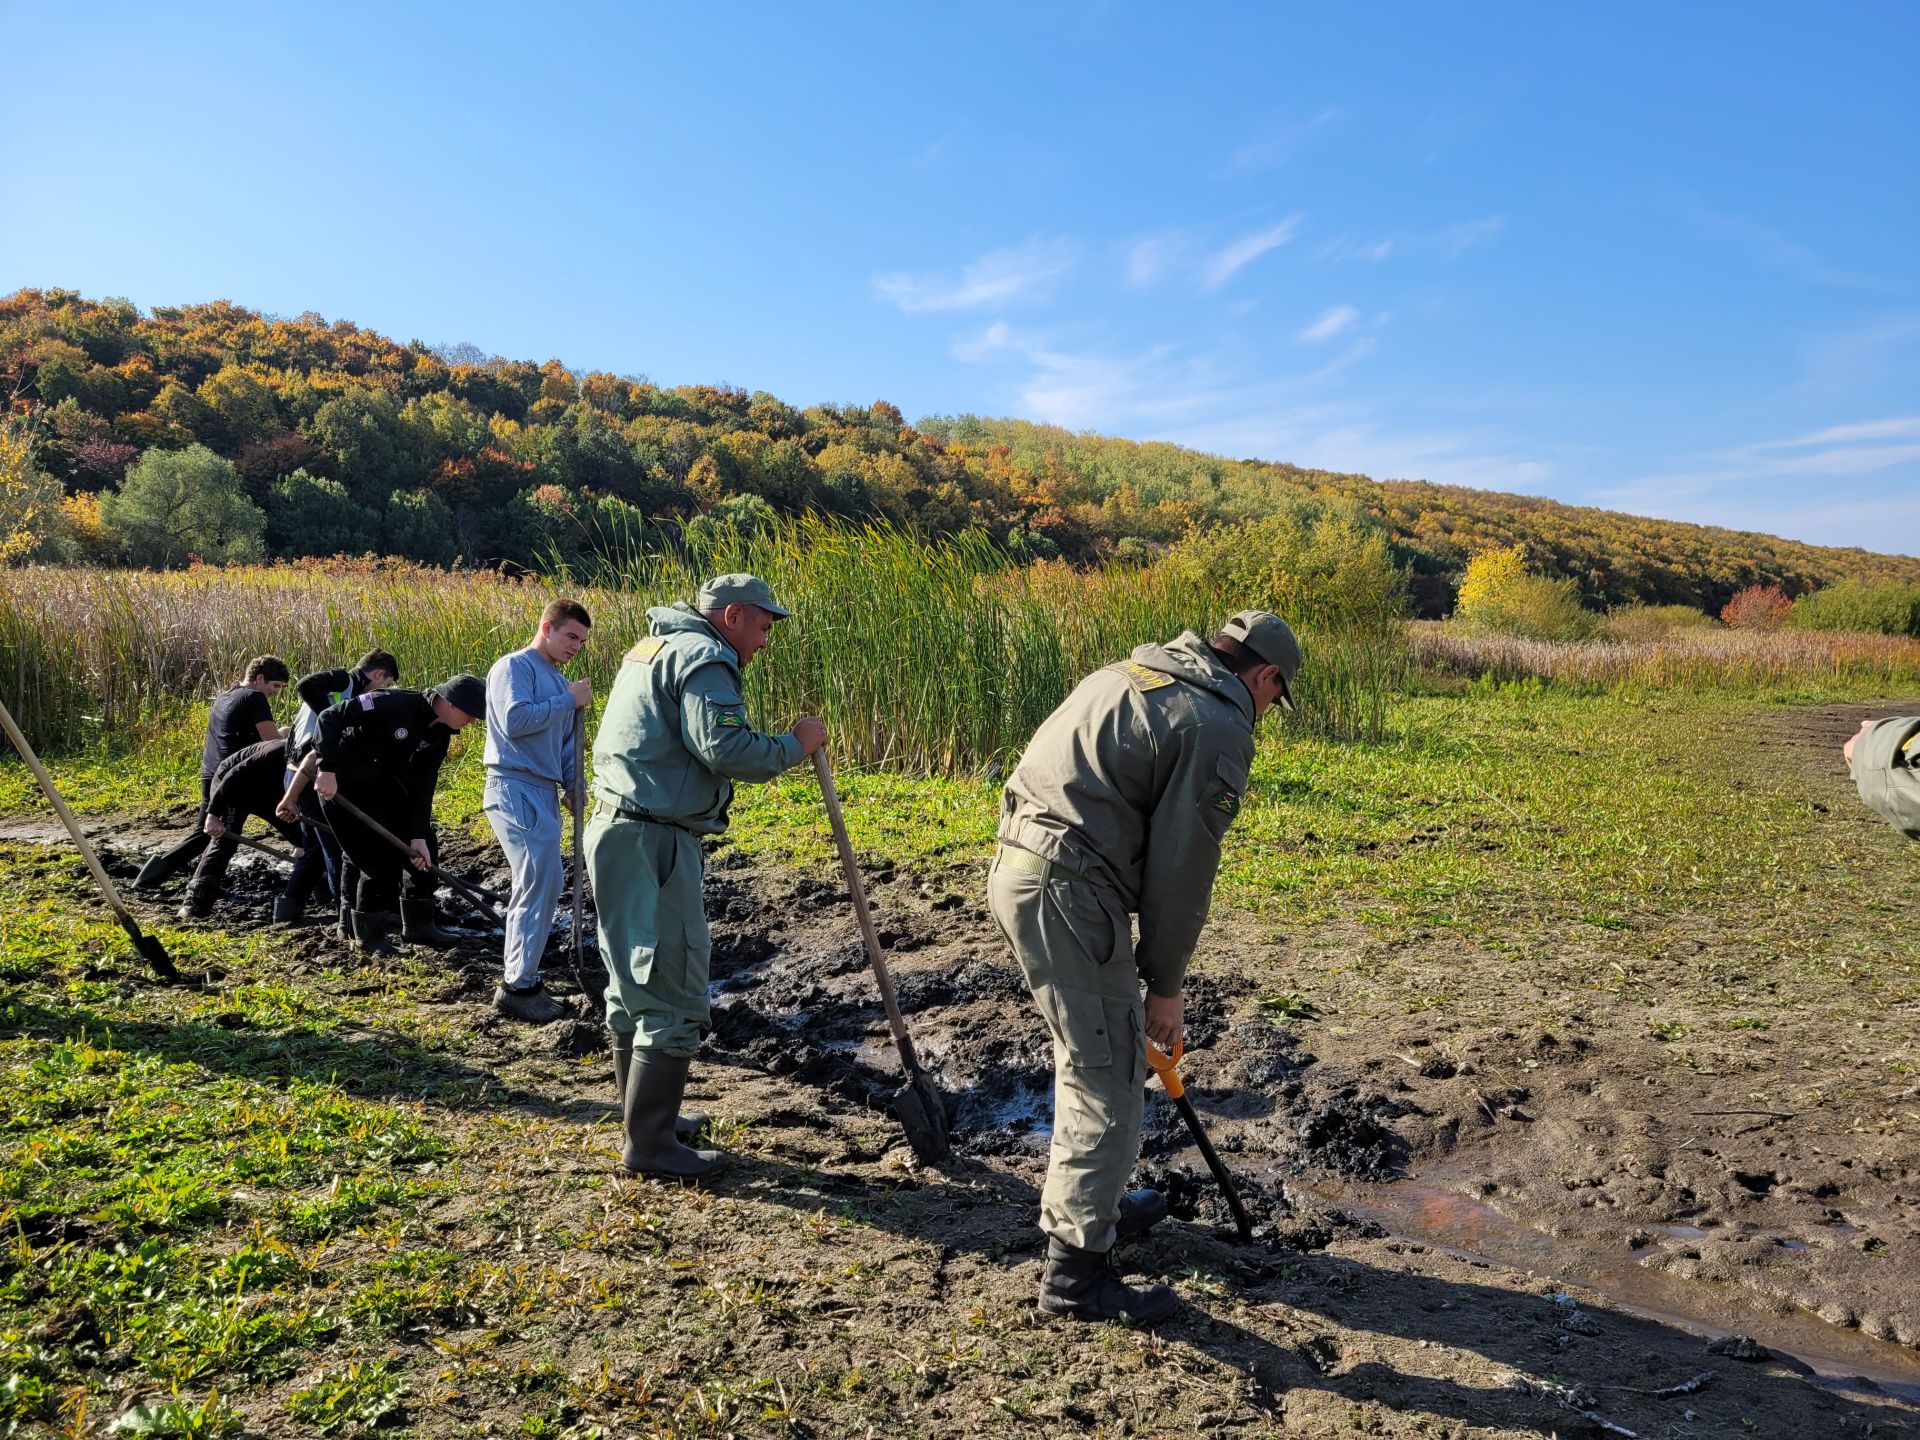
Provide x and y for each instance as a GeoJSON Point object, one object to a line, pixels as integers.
{"type": "Point", "coordinates": [1426, 1211]}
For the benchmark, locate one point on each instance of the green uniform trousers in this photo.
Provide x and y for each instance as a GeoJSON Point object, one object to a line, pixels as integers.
{"type": "Point", "coordinates": [1075, 944]}
{"type": "Point", "coordinates": [653, 931]}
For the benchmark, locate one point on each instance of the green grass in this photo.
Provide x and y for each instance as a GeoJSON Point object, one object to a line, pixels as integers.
{"type": "Point", "coordinates": [240, 1196]}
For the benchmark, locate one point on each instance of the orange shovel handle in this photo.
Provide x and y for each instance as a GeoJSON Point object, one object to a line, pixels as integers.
{"type": "Point", "coordinates": [1166, 1066]}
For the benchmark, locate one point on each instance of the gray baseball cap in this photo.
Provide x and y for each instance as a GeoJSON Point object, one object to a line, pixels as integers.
{"type": "Point", "coordinates": [1272, 639]}
{"type": "Point", "coordinates": [738, 589]}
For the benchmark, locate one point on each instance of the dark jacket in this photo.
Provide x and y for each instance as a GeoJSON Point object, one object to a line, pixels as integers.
{"type": "Point", "coordinates": [386, 738]}
{"type": "Point", "coordinates": [250, 782]}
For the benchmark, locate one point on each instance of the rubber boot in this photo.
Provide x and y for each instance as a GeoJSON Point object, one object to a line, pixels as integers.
{"type": "Point", "coordinates": [686, 1125]}
{"type": "Point", "coordinates": [370, 930]}
{"type": "Point", "coordinates": [1082, 1285]}
{"type": "Point", "coordinates": [286, 911]}
{"type": "Point", "coordinates": [417, 924]}
{"type": "Point", "coordinates": [343, 926]}
{"type": "Point", "coordinates": [156, 872]}
{"type": "Point", "coordinates": [1140, 1211]}
{"type": "Point", "coordinates": [655, 1083]}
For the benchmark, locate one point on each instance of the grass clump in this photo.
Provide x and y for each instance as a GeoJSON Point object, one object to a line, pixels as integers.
{"type": "Point", "coordinates": [351, 1400]}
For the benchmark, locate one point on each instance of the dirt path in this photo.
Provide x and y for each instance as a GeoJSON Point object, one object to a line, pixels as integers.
{"type": "Point", "coordinates": [1460, 1227]}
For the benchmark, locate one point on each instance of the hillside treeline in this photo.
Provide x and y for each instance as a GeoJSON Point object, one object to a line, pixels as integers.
{"type": "Point", "coordinates": [219, 431]}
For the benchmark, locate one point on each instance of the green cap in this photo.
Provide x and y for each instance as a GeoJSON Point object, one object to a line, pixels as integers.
{"type": "Point", "coordinates": [738, 589]}
{"type": "Point", "coordinates": [1270, 638]}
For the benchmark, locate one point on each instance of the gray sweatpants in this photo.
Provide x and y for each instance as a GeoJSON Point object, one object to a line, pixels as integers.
{"type": "Point", "coordinates": [1074, 942]}
{"type": "Point", "coordinates": [526, 821]}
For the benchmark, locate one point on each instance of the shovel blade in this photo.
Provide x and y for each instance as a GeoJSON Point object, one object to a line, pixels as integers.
{"type": "Point", "coordinates": [923, 1115]}
{"type": "Point", "coordinates": [154, 953]}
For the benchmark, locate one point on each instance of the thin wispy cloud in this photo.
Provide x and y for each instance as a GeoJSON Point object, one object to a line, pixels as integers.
{"type": "Point", "coordinates": [1848, 450]}
{"type": "Point", "coordinates": [1778, 251]}
{"type": "Point", "coordinates": [1890, 429]}
{"type": "Point", "coordinates": [1276, 147]}
{"type": "Point", "coordinates": [1149, 259]}
{"type": "Point", "coordinates": [1244, 251]}
{"type": "Point", "coordinates": [1467, 235]}
{"type": "Point", "coordinates": [1164, 393]}
{"type": "Point", "coordinates": [995, 280]}
{"type": "Point", "coordinates": [1329, 324]}
{"type": "Point", "coordinates": [1372, 252]}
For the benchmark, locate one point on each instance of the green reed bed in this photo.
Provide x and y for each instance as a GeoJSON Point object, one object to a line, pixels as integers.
{"type": "Point", "coordinates": [930, 657]}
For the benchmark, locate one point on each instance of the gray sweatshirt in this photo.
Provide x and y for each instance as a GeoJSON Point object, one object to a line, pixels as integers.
{"type": "Point", "coordinates": [529, 720]}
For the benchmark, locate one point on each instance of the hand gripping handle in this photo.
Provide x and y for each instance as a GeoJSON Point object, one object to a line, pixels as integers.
{"type": "Point", "coordinates": [1166, 1066]}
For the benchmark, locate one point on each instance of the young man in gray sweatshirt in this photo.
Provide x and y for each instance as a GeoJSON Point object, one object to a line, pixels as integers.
{"type": "Point", "coordinates": [530, 762]}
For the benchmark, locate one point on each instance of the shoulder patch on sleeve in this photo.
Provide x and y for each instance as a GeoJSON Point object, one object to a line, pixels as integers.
{"type": "Point", "coordinates": [1912, 748]}
{"type": "Point", "coordinates": [646, 649]}
{"type": "Point", "coordinates": [1140, 677]}
{"type": "Point", "coordinates": [366, 700]}
{"type": "Point", "coordinates": [1227, 802]}
{"type": "Point", "coordinates": [730, 719]}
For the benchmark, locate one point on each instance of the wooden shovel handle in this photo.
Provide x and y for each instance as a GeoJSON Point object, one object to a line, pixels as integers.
{"type": "Point", "coordinates": [824, 770]}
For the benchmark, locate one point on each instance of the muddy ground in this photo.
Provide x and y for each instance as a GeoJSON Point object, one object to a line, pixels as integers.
{"type": "Point", "coordinates": [1459, 1225]}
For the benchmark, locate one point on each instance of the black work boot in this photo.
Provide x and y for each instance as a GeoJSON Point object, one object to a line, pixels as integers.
{"type": "Point", "coordinates": [1082, 1285]}
{"type": "Point", "coordinates": [343, 924]}
{"type": "Point", "coordinates": [155, 873]}
{"type": "Point", "coordinates": [198, 904]}
{"type": "Point", "coordinates": [686, 1125]}
{"type": "Point", "coordinates": [287, 910]}
{"type": "Point", "coordinates": [655, 1083]}
{"type": "Point", "coordinates": [370, 930]}
{"type": "Point", "coordinates": [418, 925]}
{"type": "Point", "coordinates": [533, 1004]}
{"type": "Point", "coordinates": [1140, 1211]}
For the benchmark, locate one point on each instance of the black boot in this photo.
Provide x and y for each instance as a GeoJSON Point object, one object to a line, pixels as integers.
{"type": "Point", "coordinates": [286, 910]}
{"type": "Point", "coordinates": [655, 1083]}
{"type": "Point", "coordinates": [153, 874]}
{"type": "Point", "coordinates": [370, 930]}
{"type": "Point", "coordinates": [197, 906]}
{"type": "Point", "coordinates": [418, 925]}
{"type": "Point", "coordinates": [1140, 1211]}
{"type": "Point", "coordinates": [343, 924]}
{"type": "Point", "coordinates": [1081, 1285]}
{"type": "Point", "coordinates": [686, 1125]}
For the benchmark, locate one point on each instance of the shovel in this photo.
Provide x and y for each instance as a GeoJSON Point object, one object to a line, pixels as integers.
{"type": "Point", "coordinates": [149, 946]}
{"type": "Point", "coordinates": [579, 841]}
{"type": "Point", "coordinates": [472, 893]}
{"type": "Point", "coordinates": [921, 1109]}
{"type": "Point", "coordinates": [1167, 1068]}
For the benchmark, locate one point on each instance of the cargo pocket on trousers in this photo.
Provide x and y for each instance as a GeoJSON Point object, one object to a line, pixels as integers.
{"type": "Point", "coordinates": [1081, 1022]}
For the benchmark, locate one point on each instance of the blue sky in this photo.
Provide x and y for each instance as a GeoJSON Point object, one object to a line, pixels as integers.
{"type": "Point", "coordinates": [1659, 258]}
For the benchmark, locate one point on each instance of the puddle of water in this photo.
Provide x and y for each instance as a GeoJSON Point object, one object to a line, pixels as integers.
{"type": "Point", "coordinates": [1423, 1211]}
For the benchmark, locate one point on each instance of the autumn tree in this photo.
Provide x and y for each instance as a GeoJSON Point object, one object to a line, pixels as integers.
{"type": "Point", "coordinates": [1757, 607]}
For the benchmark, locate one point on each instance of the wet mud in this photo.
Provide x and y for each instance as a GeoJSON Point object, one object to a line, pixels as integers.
{"type": "Point", "coordinates": [1565, 1158]}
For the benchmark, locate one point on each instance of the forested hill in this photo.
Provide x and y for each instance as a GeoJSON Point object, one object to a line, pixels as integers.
{"type": "Point", "coordinates": [332, 438]}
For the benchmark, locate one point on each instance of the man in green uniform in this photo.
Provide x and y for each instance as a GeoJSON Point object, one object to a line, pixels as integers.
{"type": "Point", "coordinates": [1884, 756]}
{"type": "Point", "coordinates": [673, 740]}
{"type": "Point", "coordinates": [1119, 806]}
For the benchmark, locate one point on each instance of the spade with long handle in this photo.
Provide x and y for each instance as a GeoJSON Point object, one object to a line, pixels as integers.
{"type": "Point", "coordinates": [1166, 1066]}
{"type": "Point", "coordinates": [472, 893]}
{"type": "Point", "coordinates": [149, 946]}
{"type": "Point", "coordinates": [921, 1109]}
